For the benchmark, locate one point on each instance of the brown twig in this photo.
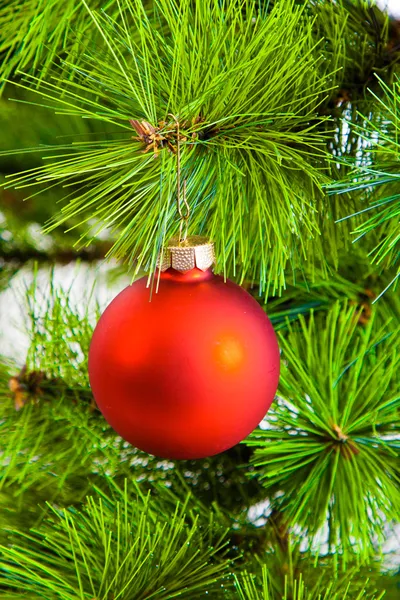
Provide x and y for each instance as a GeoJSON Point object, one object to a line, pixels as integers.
{"type": "Point", "coordinates": [167, 135]}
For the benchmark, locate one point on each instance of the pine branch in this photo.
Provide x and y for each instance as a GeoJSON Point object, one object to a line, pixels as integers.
{"type": "Point", "coordinates": [21, 119]}
{"type": "Point", "coordinates": [361, 40]}
{"type": "Point", "coordinates": [21, 239]}
{"type": "Point", "coordinates": [249, 588]}
{"type": "Point", "coordinates": [377, 181]}
{"type": "Point", "coordinates": [330, 441]}
{"type": "Point", "coordinates": [320, 290]}
{"type": "Point", "coordinates": [124, 544]}
{"type": "Point", "coordinates": [253, 158]}
{"type": "Point", "coordinates": [51, 438]}
{"type": "Point", "coordinates": [34, 33]}
{"type": "Point", "coordinates": [283, 571]}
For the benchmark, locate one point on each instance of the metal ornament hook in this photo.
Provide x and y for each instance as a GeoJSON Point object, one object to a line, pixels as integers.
{"type": "Point", "coordinates": [183, 210]}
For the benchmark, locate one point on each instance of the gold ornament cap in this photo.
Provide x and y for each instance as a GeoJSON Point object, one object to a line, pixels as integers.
{"type": "Point", "coordinates": [185, 255]}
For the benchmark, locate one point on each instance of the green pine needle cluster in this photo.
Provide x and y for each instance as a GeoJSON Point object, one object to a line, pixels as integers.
{"type": "Point", "coordinates": [258, 118]}
{"type": "Point", "coordinates": [118, 547]}
{"type": "Point", "coordinates": [362, 287]}
{"type": "Point", "coordinates": [331, 441]}
{"type": "Point", "coordinates": [34, 34]}
{"type": "Point", "coordinates": [250, 588]}
{"type": "Point", "coordinates": [120, 544]}
{"type": "Point", "coordinates": [377, 180]}
{"type": "Point", "coordinates": [253, 160]}
{"type": "Point", "coordinates": [263, 118]}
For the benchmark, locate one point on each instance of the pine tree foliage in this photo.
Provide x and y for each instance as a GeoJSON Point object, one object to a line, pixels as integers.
{"type": "Point", "coordinates": [342, 45]}
{"type": "Point", "coordinates": [362, 40]}
{"type": "Point", "coordinates": [120, 544]}
{"type": "Point", "coordinates": [377, 180]}
{"type": "Point", "coordinates": [248, 116]}
{"type": "Point", "coordinates": [56, 425]}
{"type": "Point", "coordinates": [21, 118]}
{"type": "Point", "coordinates": [225, 143]}
{"type": "Point", "coordinates": [288, 132]}
{"type": "Point", "coordinates": [117, 547]}
{"type": "Point", "coordinates": [250, 588]}
{"type": "Point", "coordinates": [331, 442]}
{"type": "Point", "coordinates": [54, 440]}
{"type": "Point", "coordinates": [362, 287]}
{"type": "Point", "coordinates": [35, 33]}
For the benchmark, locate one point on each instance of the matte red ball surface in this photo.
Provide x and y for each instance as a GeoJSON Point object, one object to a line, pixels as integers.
{"type": "Point", "coordinates": [188, 374]}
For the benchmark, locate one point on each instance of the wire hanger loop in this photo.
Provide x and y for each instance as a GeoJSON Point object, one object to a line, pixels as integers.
{"type": "Point", "coordinates": [183, 207]}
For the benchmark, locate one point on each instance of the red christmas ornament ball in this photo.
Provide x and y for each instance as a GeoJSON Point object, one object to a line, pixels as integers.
{"type": "Point", "coordinates": [189, 373]}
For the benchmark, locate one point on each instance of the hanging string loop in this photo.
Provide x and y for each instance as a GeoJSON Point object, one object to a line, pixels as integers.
{"type": "Point", "coordinates": [183, 207]}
